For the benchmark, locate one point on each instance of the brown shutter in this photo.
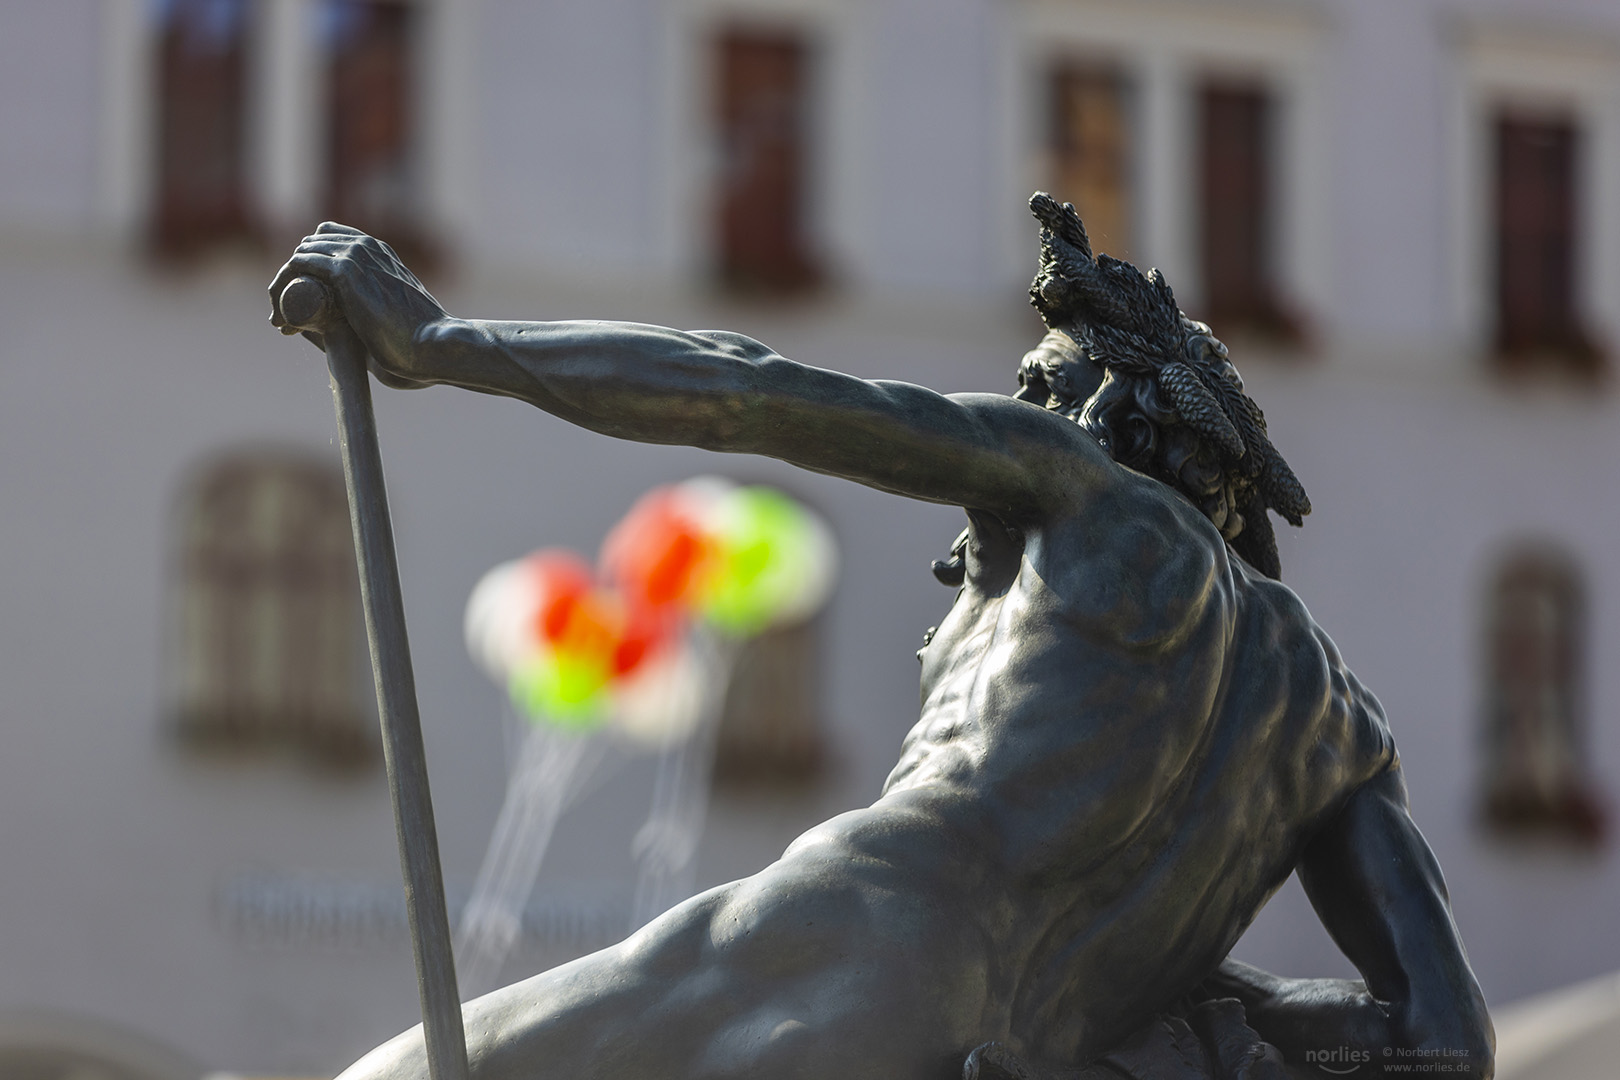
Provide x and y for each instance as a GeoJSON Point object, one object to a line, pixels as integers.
{"type": "Point", "coordinates": [1091, 155]}
{"type": "Point", "coordinates": [371, 160]}
{"type": "Point", "coordinates": [1235, 203]}
{"type": "Point", "coordinates": [1537, 321]}
{"type": "Point", "coordinates": [201, 197]}
{"type": "Point", "coordinates": [762, 124]}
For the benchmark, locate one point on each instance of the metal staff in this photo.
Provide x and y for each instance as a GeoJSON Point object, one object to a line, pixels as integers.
{"type": "Point", "coordinates": [306, 306]}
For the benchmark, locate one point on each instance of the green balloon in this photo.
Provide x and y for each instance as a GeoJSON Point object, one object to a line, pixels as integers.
{"type": "Point", "coordinates": [564, 691]}
{"type": "Point", "coordinates": [765, 537]}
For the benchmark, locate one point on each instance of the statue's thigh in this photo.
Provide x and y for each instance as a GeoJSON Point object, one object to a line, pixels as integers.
{"type": "Point", "coordinates": [839, 980]}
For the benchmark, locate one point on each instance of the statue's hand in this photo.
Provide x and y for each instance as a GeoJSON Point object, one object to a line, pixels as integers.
{"type": "Point", "coordinates": [383, 302]}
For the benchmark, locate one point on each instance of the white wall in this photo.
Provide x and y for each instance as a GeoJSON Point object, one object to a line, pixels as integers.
{"type": "Point", "coordinates": [579, 198]}
{"type": "Point", "coordinates": [49, 99]}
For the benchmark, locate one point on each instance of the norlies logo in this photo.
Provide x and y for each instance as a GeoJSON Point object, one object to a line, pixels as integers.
{"type": "Point", "coordinates": [1340, 1061]}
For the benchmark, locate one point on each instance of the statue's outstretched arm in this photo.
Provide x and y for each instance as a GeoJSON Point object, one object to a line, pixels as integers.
{"type": "Point", "coordinates": [1378, 890]}
{"type": "Point", "coordinates": [714, 390]}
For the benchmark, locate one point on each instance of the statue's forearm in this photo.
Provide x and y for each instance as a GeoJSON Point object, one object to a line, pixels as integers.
{"type": "Point", "coordinates": [1300, 1015]}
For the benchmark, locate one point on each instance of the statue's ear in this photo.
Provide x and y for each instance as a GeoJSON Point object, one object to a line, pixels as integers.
{"type": "Point", "coordinates": [1085, 377]}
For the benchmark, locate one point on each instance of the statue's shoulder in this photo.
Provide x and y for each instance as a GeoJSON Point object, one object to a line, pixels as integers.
{"type": "Point", "coordinates": [1140, 563]}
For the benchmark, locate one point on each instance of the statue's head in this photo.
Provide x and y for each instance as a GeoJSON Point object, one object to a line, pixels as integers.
{"type": "Point", "coordinates": [1155, 388]}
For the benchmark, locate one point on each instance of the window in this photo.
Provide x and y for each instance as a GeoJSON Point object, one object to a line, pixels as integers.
{"type": "Point", "coordinates": [201, 197]}
{"type": "Point", "coordinates": [1536, 159]}
{"type": "Point", "coordinates": [1236, 242]}
{"type": "Point", "coordinates": [763, 126]}
{"type": "Point", "coordinates": [268, 608]}
{"type": "Point", "coordinates": [771, 732]}
{"type": "Point", "coordinates": [1535, 148]}
{"type": "Point", "coordinates": [1533, 724]}
{"type": "Point", "coordinates": [1091, 154]}
{"type": "Point", "coordinates": [371, 167]}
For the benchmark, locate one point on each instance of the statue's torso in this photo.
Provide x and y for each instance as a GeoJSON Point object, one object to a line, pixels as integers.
{"type": "Point", "coordinates": [1126, 736]}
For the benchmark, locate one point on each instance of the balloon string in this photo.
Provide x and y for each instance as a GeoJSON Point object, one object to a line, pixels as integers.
{"type": "Point", "coordinates": [552, 770]}
{"type": "Point", "coordinates": [666, 846]}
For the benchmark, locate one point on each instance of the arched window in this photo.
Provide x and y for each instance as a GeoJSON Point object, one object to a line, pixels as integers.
{"type": "Point", "coordinates": [268, 611]}
{"type": "Point", "coordinates": [771, 732]}
{"type": "Point", "coordinates": [46, 1044]}
{"type": "Point", "coordinates": [1534, 741]}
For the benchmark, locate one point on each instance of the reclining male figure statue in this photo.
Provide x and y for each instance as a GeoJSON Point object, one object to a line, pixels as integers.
{"type": "Point", "coordinates": [1131, 733]}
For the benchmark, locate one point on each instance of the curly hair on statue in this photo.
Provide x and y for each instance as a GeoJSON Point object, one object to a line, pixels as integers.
{"type": "Point", "coordinates": [1171, 404]}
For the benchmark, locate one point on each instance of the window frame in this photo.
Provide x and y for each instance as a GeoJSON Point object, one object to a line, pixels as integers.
{"type": "Point", "coordinates": [839, 107]}
{"type": "Point", "coordinates": [1501, 67]}
{"type": "Point", "coordinates": [1512, 804]}
{"type": "Point", "coordinates": [286, 115]}
{"type": "Point", "coordinates": [1165, 60]}
{"type": "Point", "coordinates": [289, 594]}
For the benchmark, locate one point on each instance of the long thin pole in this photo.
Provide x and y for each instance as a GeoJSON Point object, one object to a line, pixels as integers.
{"type": "Point", "coordinates": [304, 304]}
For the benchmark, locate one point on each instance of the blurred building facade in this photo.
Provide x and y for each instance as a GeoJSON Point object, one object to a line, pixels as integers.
{"type": "Point", "coordinates": [1403, 215]}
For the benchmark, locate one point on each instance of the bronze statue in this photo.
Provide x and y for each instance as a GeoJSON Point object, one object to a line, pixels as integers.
{"type": "Point", "coordinates": [1131, 732]}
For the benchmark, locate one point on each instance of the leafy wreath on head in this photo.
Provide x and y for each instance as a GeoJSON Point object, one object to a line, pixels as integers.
{"type": "Point", "coordinates": [1128, 322]}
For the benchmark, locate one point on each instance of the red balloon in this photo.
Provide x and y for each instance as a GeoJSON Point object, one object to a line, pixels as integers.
{"type": "Point", "coordinates": [564, 580]}
{"type": "Point", "coordinates": [658, 553]}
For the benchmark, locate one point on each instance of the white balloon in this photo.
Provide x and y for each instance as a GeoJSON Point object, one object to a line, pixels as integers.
{"type": "Point", "coordinates": [663, 701]}
{"type": "Point", "coordinates": [498, 622]}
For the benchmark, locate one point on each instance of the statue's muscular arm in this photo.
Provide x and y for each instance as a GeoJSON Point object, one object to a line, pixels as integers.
{"type": "Point", "coordinates": [718, 391]}
{"type": "Point", "coordinates": [1378, 890]}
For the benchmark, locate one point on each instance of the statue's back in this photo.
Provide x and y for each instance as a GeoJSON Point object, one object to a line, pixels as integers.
{"type": "Point", "coordinates": [1129, 734]}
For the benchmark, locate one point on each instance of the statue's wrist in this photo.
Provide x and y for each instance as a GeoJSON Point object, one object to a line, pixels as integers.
{"type": "Point", "coordinates": [431, 349]}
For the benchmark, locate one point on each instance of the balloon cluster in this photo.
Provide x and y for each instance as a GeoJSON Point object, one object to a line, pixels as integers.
{"type": "Point", "coordinates": [580, 647]}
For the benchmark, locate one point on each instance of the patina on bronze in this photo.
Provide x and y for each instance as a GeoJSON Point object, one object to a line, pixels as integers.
{"type": "Point", "coordinates": [1131, 732]}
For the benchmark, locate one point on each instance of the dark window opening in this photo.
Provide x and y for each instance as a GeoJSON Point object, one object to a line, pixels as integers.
{"type": "Point", "coordinates": [1089, 141]}
{"type": "Point", "coordinates": [372, 180]}
{"type": "Point", "coordinates": [1538, 323]}
{"type": "Point", "coordinates": [202, 200]}
{"type": "Point", "coordinates": [762, 182]}
{"type": "Point", "coordinates": [1535, 783]}
{"type": "Point", "coordinates": [1237, 241]}
{"type": "Point", "coordinates": [267, 604]}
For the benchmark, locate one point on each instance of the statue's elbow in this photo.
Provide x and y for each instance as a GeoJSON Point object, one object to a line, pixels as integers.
{"type": "Point", "coordinates": [1482, 1052]}
{"type": "Point", "coordinates": [1467, 1049]}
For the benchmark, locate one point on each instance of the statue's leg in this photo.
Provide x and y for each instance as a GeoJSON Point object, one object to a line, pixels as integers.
{"type": "Point", "coordinates": [818, 966]}
{"type": "Point", "coordinates": [615, 1013]}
